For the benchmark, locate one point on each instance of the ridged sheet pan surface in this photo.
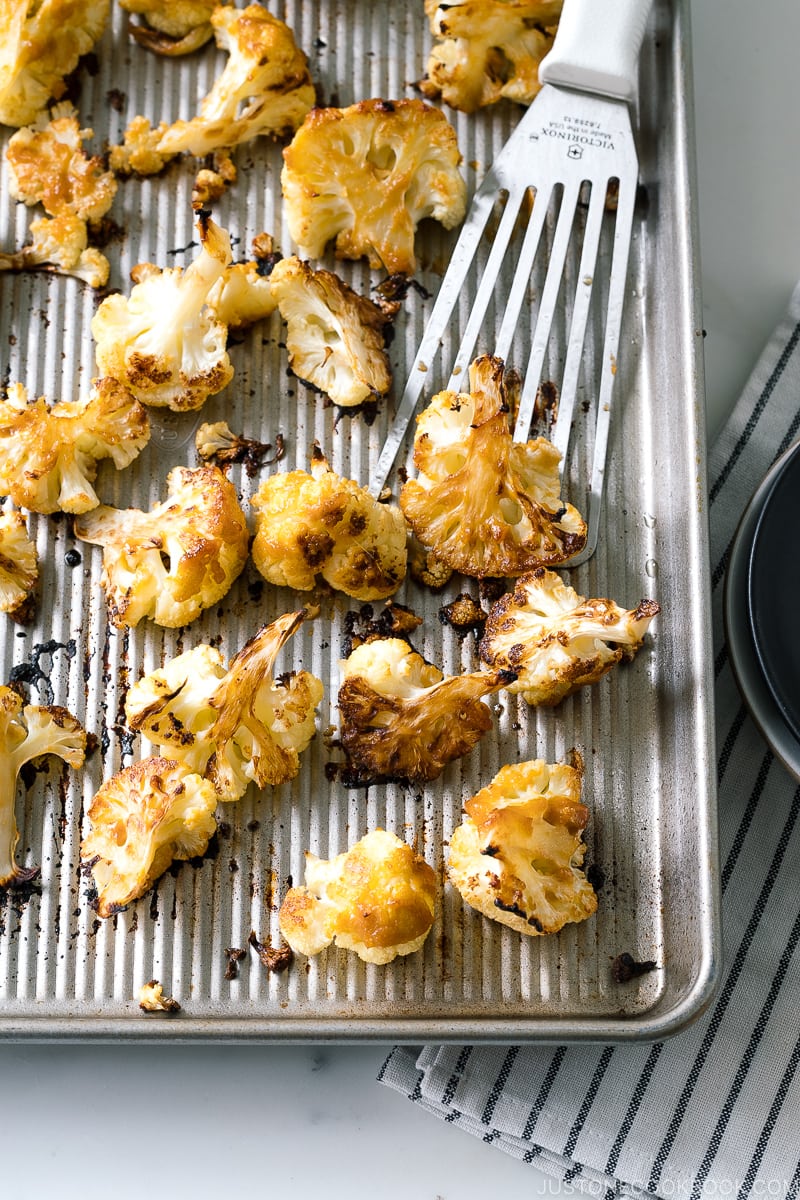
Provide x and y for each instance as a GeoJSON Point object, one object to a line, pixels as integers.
{"type": "Point", "coordinates": [645, 733]}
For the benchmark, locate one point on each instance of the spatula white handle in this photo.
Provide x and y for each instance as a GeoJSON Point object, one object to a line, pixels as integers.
{"type": "Point", "coordinates": [597, 46]}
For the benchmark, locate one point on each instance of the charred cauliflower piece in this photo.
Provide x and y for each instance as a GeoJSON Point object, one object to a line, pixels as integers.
{"type": "Point", "coordinates": [162, 341]}
{"type": "Point", "coordinates": [176, 560]}
{"type": "Point", "coordinates": [401, 719]}
{"type": "Point", "coordinates": [367, 175]}
{"type": "Point", "coordinates": [49, 456]}
{"type": "Point", "coordinates": [264, 90]}
{"type": "Point", "coordinates": [488, 49]}
{"type": "Point", "coordinates": [233, 726]}
{"type": "Point", "coordinates": [243, 294]}
{"type": "Point", "coordinates": [19, 567]}
{"type": "Point", "coordinates": [517, 857]}
{"type": "Point", "coordinates": [142, 819]}
{"type": "Point", "coordinates": [40, 44]}
{"type": "Point", "coordinates": [377, 899]}
{"type": "Point", "coordinates": [334, 337]}
{"type": "Point", "coordinates": [558, 641]}
{"type": "Point", "coordinates": [28, 731]}
{"type": "Point", "coordinates": [323, 525]}
{"type": "Point", "coordinates": [138, 154]}
{"type": "Point", "coordinates": [174, 27]}
{"type": "Point", "coordinates": [484, 504]}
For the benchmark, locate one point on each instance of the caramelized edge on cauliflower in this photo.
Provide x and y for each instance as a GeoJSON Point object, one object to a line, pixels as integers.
{"type": "Point", "coordinates": [19, 568]}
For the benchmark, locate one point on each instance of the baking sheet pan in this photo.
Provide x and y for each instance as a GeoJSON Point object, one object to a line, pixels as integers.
{"type": "Point", "coordinates": [645, 732]}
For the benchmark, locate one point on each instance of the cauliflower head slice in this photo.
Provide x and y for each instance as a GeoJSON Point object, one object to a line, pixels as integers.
{"type": "Point", "coordinates": [367, 175]}
{"type": "Point", "coordinates": [334, 337]}
{"type": "Point", "coordinates": [174, 27]}
{"type": "Point", "coordinates": [41, 42]}
{"type": "Point", "coordinates": [264, 90]}
{"type": "Point", "coordinates": [319, 524]}
{"type": "Point", "coordinates": [376, 899]}
{"type": "Point", "coordinates": [162, 341]}
{"type": "Point", "coordinates": [28, 731]}
{"type": "Point", "coordinates": [140, 820]}
{"type": "Point", "coordinates": [484, 504]}
{"type": "Point", "coordinates": [181, 557]}
{"type": "Point", "coordinates": [19, 567]}
{"type": "Point", "coordinates": [47, 165]}
{"type": "Point", "coordinates": [233, 726]}
{"type": "Point", "coordinates": [49, 455]}
{"type": "Point", "coordinates": [556, 640]}
{"type": "Point", "coordinates": [517, 857]}
{"type": "Point", "coordinates": [487, 50]}
{"type": "Point", "coordinates": [401, 719]}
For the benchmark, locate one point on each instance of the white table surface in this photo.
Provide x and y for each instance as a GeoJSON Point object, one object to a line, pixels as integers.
{"type": "Point", "coordinates": [134, 1121]}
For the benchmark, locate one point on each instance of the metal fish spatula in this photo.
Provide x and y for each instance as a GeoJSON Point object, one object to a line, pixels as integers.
{"type": "Point", "coordinates": [571, 148]}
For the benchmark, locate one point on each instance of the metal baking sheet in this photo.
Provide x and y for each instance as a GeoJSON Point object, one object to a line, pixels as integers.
{"type": "Point", "coordinates": [645, 733]}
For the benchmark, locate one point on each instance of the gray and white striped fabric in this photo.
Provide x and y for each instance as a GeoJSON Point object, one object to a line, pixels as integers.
{"type": "Point", "coordinates": [716, 1109]}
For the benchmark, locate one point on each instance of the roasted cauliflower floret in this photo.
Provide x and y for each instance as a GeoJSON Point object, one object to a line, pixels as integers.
{"type": "Point", "coordinates": [264, 90]}
{"type": "Point", "coordinates": [488, 49]}
{"type": "Point", "coordinates": [556, 640]}
{"type": "Point", "coordinates": [47, 165]}
{"type": "Point", "coordinates": [162, 341]}
{"type": "Point", "coordinates": [142, 819]}
{"type": "Point", "coordinates": [401, 719]}
{"type": "Point", "coordinates": [49, 456]}
{"type": "Point", "coordinates": [176, 560]}
{"type": "Point", "coordinates": [321, 525]}
{"type": "Point", "coordinates": [138, 154]}
{"type": "Point", "coordinates": [28, 731]}
{"type": "Point", "coordinates": [61, 245]}
{"type": "Point", "coordinates": [367, 175]}
{"type": "Point", "coordinates": [334, 337]}
{"type": "Point", "coordinates": [233, 726]}
{"type": "Point", "coordinates": [484, 504]}
{"type": "Point", "coordinates": [518, 855]}
{"type": "Point", "coordinates": [40, 44]}
{"type": "Point", "coordinates": [174, 27]}
{"type": "Point", "coordinates": [152, 999]}
{"type": "Point", "coordinates": [243, 294]}
{"type": "Point", "coordinates": [377, 899]}
{"type": "Point", "coordinates": [19, 567]}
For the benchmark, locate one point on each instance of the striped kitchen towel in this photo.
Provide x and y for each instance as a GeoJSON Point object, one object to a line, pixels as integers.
{"type": "Point", "coordinates": [716, 1109]}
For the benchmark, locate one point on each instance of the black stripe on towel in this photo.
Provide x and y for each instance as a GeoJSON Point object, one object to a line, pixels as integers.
{"type": "Point", "coordinates": [769, 1124]}
{"type": "Point", "coordinates": [633, 1107]}
{"type": "Point", "coordinates": [729, 743]}
{"type": "Point", "coordinates": [455, 1078]}
{"type": "Point", "coordinates": [499, 1084]}
{"type": "Point", "coordinates": [588, 1101]}
{"type": "Point", "coordinates": [541, 1100]}
{"type": "Point", "coordinates": [725, 996]}
{"type": "Point", "coordinates": [746, 1061]}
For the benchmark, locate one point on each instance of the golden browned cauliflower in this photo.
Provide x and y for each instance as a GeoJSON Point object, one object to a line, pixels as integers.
{"type": "Point", "coordinates": [518, 855]}
{"type": "Point", "coordinates": [321, 525]}
{"type": "Point", "coordinates": [377, 899]}
{"type": "Point", "coordinates": [484, 504]}
{"type": "Point", "coordinates": [401, 719]}
{"type": "Point", "coordinates": [138, 154]}
{"type": "Point", "coordinates": [40, 44]}
{"type": "Point", "coordinates": [19, 567]}
{"type": "Point", "coordinates": [28, 731]}
{"type": "Point", "coordinates": [142, 819]}
{"type": "Point", "coordinates": [264, 90]}
{"type": "Point", "coordinates": [174, 27]}
{"type": "Point", "coordinates": [232, 726]}
{"type": "Point", "coordinates": [334, 337]}
{"type": "Point", "coordinates": [49, 455]}
{"type": "Point", "coordinates": [162, 341]}
{"type": "Point", "coordinates": [176, 560]}
{"type": "Point", "coordinates": [367, 175]}
{"type": "Point", "coordinates": [243, 294]}
{"type": "Point", "coordinates": [488, 49]}
{"type": "Point", "coordinates": [61, 245]}
{"type": "Point", "coordinates": [152, 999]}
{"type": "Point", "coordinates": [556, 640]}
{"type": "Point", "coordinates": [47, 165]}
